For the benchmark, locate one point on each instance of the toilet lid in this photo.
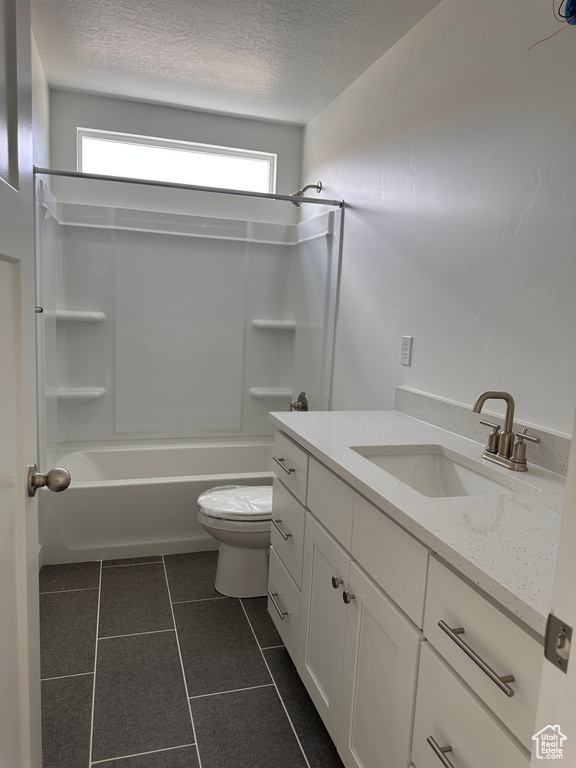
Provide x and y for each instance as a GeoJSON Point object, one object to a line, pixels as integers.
{"type": "Point", "coordinates": [237, 502]}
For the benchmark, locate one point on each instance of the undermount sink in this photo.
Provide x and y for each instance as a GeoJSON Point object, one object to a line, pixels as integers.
{"type": "Point", "coordinates": [434, 471]}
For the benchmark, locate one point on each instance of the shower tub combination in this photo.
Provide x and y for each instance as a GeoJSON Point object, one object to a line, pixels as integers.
{"type": "Point", "coordinates": [153, 390]}
{"type": "Point", "coordinates": [141, 500]}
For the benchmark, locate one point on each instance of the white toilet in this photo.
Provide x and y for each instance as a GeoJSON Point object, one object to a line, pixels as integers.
{"type": "Point", "coordinates": [238, 516]}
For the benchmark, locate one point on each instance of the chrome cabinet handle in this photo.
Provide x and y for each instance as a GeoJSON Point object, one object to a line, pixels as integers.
{"type": "Point", "coordinates": [441, 752]}
{"type": "Point", "coordinates": [280, 463]}
{"type": "Point", "coordinates": [348, 597]}
{"type": "Point", "coordinates": [500, 680]}
{"type": "Point", "coordinates": [282, 533]}
{"type": "Point", "coordinates": [336, 582]}
{"type": "Point", "coordinates": [273, 596]}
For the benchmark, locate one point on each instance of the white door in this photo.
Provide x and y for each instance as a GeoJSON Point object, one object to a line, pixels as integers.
{"type": "Point", "coordinates": [557, 702]}
{"type": "Point", "coordinates": [19, 656]}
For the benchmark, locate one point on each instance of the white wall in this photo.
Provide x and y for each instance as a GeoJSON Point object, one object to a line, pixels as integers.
{"type": "Point", "coordinates": [455, 154]}
{"type": "Point", "coordinates": [72, 110]}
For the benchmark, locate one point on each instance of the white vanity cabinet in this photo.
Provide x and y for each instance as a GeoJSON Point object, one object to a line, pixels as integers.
{"type": "Point", "coordinates": [287, 538]}
{"type": "Point", "coordinates": [496, 657]}
{"type": "Point", "coordinates": [358, 651]}
{"type": "Point", "coordinates": [291, 466]}
{"type": "Point", "coordinates": [287, 531]}
{"type": "Point", "coordinates": [378, 679]}
{"type": "Point", "coordinates": [367, 625]}
{"type": "Point", "coordinates": [284, 604]}
{"type": "Point", "coordinates": [452, 728]}
{"type": "Point", "coordinates": [323, 621]}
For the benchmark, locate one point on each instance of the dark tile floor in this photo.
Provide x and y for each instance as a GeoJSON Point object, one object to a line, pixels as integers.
{"type": "Point", "coordinates": [145, 665]}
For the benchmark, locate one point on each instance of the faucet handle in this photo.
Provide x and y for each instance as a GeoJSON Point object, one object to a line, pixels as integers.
{"type": "Point", "coordinates": [494, 437]}
{"type": "Point", "coordinates": [519, 451]}
{"type": "Point", "coordinates": [521, 436]}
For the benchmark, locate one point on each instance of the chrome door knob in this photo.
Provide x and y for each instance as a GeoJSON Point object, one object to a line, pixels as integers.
{"type": "Point", "coordinates": [336, 582]}
{"type": "Point", "coordinates": [348, 597]}
{"type": "Point", "coordinates": [57, 479]}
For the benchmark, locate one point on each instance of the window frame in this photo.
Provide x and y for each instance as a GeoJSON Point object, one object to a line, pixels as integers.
{"type": "Point", "coordinates": [210, 149]}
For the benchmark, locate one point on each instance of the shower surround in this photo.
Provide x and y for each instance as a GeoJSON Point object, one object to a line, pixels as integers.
{"type": "Point", "coordinates": [172, 329]}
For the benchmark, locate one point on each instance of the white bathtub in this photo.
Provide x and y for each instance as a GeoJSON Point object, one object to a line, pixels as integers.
{"type": "Point", "coordinates": [141, 500]}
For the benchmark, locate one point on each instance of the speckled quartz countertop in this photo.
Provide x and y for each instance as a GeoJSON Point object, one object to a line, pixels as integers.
{"type": "Point", "coordinates": [506, 543]}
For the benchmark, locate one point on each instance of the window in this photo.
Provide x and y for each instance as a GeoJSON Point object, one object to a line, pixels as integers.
{"type": "Point", "coordinates": [182, 162]}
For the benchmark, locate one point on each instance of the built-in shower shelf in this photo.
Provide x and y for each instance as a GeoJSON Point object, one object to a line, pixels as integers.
{"type": "Point", "coordinates": [271, 393]}
{"type": "Point", "coordinates": [79, 394]}
{"type": "Point", "coordinates": [78, 316]}
{"type": "Point", "coordinates": [274, 325]}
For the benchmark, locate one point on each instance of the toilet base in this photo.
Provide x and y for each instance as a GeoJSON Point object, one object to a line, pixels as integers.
{"type": "Point", "coordinates": [242, 572]}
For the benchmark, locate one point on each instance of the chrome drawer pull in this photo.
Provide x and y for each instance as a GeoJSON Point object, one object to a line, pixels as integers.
{"type": "Point", "coordinates": [273, 596]}
{"type": "Point", "coordinates": [282, 533]}
{"type": "Point", "coordinates": [280, 463]}
{"type": "Point", "coordinates": [348, 597]}
{"type": "Point", "coordinates": [500, 680]}
{"type": "Point", "coordinates": [336, 582]}
{"type": "Point", "coordinates": [441, 752]}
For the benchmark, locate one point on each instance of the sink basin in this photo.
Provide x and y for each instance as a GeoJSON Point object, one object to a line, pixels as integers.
{"type": "Point", "coordinates": [434, 471]}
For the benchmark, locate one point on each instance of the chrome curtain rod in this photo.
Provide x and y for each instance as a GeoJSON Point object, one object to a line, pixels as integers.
{"type": "Point", "coordinates": [191, 187]}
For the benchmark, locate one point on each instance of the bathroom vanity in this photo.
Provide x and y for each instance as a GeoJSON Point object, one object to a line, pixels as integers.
{"type": "Point", "coordinates": [410, 581]}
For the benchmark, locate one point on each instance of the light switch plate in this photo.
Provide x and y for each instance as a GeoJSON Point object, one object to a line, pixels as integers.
{"type": "Point", "coordinates": [406, 356]}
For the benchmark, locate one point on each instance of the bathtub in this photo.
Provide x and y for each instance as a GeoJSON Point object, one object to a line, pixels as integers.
{"type": "Point", "coordinates": [141, 500]}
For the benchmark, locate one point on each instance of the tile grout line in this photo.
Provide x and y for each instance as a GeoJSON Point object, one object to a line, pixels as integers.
{"type": "Point", "coordinates": [139, 754]}
{"type": "Point", "coordinates": [135, 634]}
{"type": "Point", "coordinates": [201, 600]}
{"type": "Point", "coordinates": [95, 662]}
{"type": "Point", "coordinates": [65, 591]}
{"type": "Point", "coordinates": [275, 686]}
{"type": "Point", "coordinates": [232, 690]}
{"type": "Point", "coordinates": [65, 677]}
{"type": "Point", "coordinates": [181, 662]}
{"type": "Point", "coordinates": [131, 565]}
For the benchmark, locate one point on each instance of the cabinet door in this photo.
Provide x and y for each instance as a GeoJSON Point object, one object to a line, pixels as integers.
{"type": "Point", "coordinates": [495, 638]}
{"type": "Point", "coordinates": [331, 502]}
{"type": "Point", "coordinates": [450, 719]}
{"type": "Point", "coordinates": [287, 532]}
{"type": "Point", "coordinates": [322, 621]}
{"type": "Point", "coordinates": [291, 465]}
{"type": "Point", "coordinates": [284, 603]}
{"type": "Point", "coordinates": [378, 679]}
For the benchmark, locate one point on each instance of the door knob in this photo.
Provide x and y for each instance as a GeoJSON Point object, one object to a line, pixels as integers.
{"type": "Point", "coordinates": [57, 479]}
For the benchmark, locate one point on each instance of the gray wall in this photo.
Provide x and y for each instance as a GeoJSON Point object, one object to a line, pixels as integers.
{"type": "Point", "coordinates": [455, 154]}
{"type": "Point", "coordinates": [69, 110]}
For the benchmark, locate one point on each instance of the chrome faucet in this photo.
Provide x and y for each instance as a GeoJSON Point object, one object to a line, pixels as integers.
{"type": "Point", "coordinates": [502, 448]}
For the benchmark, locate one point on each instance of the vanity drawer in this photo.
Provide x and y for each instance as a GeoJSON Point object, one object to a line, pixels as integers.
{"type": "Point", "coordinates": [287, 532]}
{"type": "Point", "coordinates": [504, 646]}
{"type": "Point", "coordinates": [291, 465]}
{"type": "Point", "coordinates": [448, 713]}
{"type": "Point", "coordinates": [331, 501]}
{"type": "Point", "coordinates": [284, 608]}
{"type": "Point", "coordinates": [393, 558]}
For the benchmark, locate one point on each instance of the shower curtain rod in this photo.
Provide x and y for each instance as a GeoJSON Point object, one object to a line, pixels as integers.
{"type": "Point", "coordinates": [192, 187]}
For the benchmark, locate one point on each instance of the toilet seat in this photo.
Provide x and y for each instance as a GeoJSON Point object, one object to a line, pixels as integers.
{"type": "Point", "coordinates": [242, 503]}
{"type": "Point", "coordinates": [241, 526]}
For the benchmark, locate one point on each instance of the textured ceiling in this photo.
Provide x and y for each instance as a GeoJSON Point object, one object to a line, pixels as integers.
{"type": "Point", "coordinates": [275, 59]}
